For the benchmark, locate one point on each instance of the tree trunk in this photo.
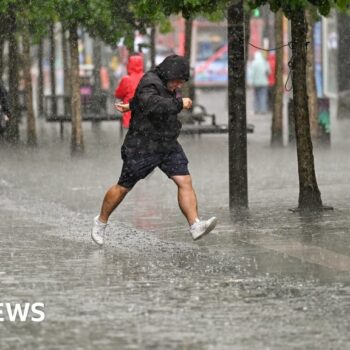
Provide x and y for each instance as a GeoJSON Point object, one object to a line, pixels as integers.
{"type": "Point", "coordinates": [237, 108]}
{"type": "Point", "coordinates": [188, 90]}
{"type": "Point", "coordinates": [2, 43]}
{"type": "Point", "coordinates": [343, 55]}
{"type": "Point", "coordinates": [97, 67]}
{"type": "Point", "coordinates": [77, 143]}
{"type": "Point", "coordinates": [4, 28]}
{"type": "Point", "coordinates": [31, 130]}
{"type": "Point", "coordinates": [277, 113]}
{"type": "Point", "coordinates": [53, 68]}
{"type": "Point", "coordinates": [247, 16]}
{"type": "Point", "coordinates": [153, 46]}
{"type": "Point", "coordinates": [66, 81]}
{"type": "Point", "coordinates": [310, 77]}
{"type": "Point", "coordinates": [40, 78]}
{"type": "Point", "coordinates": [188, 38]}
{"type": "Point", "coordinates": [97, 78]}
{"type": "Point", "coordinates": [309, 194]}
{"type": "Point", "coordinates": [12, 132]}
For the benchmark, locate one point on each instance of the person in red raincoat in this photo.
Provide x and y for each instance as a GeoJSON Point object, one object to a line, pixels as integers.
{"type": "Point", "coordinates": [271, 59]}
{"type": "Point", "coordinates": [127, 86]}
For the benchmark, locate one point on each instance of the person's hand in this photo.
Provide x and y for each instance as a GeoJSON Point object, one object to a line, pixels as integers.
{"type": "Point", "coordinates": [122, 107]}
{"type": "Point", "coordinates": [187, 103]}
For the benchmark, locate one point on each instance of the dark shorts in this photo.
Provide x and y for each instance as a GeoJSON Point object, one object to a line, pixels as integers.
{"type": "Point", "coordinates": [137, 166]}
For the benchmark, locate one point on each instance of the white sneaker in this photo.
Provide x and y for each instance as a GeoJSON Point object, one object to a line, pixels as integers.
{"type": "Point", "coordinates": [98, 231]}
{"type": "Point", "coordinates": [201, 227]}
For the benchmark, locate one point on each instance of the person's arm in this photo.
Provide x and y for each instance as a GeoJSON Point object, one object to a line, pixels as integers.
{"type": "Point", "coordinates": [152, 102]}
{"type": "Point", "coordinates": [122, 89]}
{"type": "Point", "coordinates": [268, 69]}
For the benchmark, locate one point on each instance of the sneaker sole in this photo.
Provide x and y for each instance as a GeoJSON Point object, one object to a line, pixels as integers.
{"type": "Point", "coordinates": [209, 229]}
{"type": "Point", "coordinates": [99, 244]}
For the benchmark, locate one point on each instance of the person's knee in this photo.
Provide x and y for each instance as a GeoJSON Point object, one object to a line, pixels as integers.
{"type": "Point", "coordinates": [122, 189]}
{"type": "Point", "coordinates": [184, 182]}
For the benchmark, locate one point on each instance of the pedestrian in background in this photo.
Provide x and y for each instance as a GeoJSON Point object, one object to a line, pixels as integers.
{"type": "Point", "coordinates": [151, 142]}
{"type": "Point", "coordinates": [127, 86]}
{"type": "Point", "coordinates": [5, 113]}
{"type": "Point", "coordinates": [271, 59]}
{"type": "Point", "coordinates": [259, 73]}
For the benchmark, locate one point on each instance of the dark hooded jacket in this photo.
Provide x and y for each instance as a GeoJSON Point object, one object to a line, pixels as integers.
{"type": "Point", "coordinates": [154, 124]}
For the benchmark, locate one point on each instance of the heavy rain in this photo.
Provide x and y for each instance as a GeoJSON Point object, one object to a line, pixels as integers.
{"type": "Point", "coordinates": [274, 273]}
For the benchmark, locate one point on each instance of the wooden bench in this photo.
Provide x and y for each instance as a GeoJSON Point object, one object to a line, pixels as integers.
{"type": "Point", "coordinates": [195, 122]}
{"type": "Point", "coordinates": [95, 109]}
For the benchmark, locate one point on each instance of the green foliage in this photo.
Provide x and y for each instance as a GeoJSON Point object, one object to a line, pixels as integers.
{"type": "Point", "coordinates": [343, 5]}
{"type": "Point", "coordinates": [288, 6]}
{"type": "Point", "coordinates": [188, 8]}
{"type": "Point", "coordinates": [213, 9]}
{"type": "Point", "coordinates": [108, 19]}
{"type": "Point", "coordinates": [104, 19]}
{"type": "Point", "coordinates": [112, 19]}
{"type": "Point", "coordinates": [34, 14]}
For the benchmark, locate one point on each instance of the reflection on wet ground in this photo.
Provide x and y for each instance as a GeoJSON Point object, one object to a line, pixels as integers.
{"type": "Point", "coordinates": [265, 279]}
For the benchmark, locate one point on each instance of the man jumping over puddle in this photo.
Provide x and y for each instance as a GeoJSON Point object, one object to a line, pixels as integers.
{"type": "Point", "coordinates": [151, 142]}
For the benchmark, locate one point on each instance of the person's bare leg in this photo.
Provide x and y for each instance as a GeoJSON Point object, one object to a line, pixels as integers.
{"type": "Point", "coordinates": [186, 197]}
{"type": "Point", "coordinates": [112, 199]}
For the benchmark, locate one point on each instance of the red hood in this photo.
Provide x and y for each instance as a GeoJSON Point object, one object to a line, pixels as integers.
{"type": "Point", "coordinates": [135, 64]}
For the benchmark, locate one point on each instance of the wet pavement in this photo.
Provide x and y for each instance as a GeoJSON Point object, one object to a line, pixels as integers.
{"type": "Point", "coordinates": [264, 279]}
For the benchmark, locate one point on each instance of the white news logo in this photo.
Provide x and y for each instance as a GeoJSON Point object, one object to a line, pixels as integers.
{"type": "Point", "coordinates": [19, 312]}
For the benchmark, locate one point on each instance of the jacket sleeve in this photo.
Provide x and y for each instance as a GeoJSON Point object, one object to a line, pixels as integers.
{"type": "Point", "coordinates": [151, 102]}
{"type": "Point", "coordinates": [123, 88]}
{"type": "Point", "coordinates": [4, 99]}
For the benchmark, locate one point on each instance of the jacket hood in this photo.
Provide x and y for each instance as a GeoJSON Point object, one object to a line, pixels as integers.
{"type": "Point", "coordinates": [135, 64]}
{"type": "Point", "coordinates": [259, 57]}
{"type": "Point", "coordinates": [174, 67]}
